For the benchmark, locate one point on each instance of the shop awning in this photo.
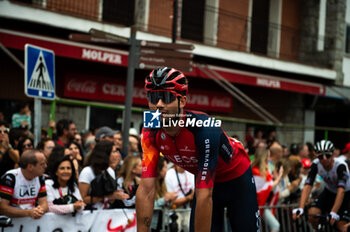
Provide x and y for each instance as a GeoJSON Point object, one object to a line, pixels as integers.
{"type": "Point", "coordinates": [65, 48]}
{"type": "Point", "coordinates": [260, 80]}
{"type": "Point", "coordinates": [83, 51]}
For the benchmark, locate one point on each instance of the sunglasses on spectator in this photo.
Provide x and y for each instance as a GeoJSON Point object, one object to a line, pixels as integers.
{"type": "Point", "coordinates": [28, 145]}
{"type": "Point", "coordinates": [323, 155]}
{"type": "Point", "coordinates": [166, 97]}
{"type": "Point", "coordinates": [5, 131]}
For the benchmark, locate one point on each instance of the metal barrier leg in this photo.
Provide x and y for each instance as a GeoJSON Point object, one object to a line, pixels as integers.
{"type": "Point", "coordinates": [225, 220]}
{"type": "Point", "coordinates": [289, 223]}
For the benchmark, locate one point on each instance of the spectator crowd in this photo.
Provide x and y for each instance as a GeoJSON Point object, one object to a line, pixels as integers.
{"type": "Point", "coordinates": [61, 172]}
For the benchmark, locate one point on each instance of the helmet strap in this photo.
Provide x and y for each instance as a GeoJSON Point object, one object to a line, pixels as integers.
{"type": "Point", "coordinates": [178, 106]}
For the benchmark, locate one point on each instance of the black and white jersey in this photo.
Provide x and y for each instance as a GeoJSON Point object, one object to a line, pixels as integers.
{"type": "Point", "coordinates": [337, 177]}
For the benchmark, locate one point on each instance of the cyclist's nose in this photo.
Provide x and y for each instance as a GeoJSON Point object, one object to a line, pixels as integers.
{"type": "Point", "coordinates": [160, 103]}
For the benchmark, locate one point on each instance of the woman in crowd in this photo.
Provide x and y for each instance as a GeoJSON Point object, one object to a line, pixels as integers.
{"type": "Point", "coordinates": [128, 179]}
{"type": "Point", "coordinates": [99, 161]}
{"type": "Point", "coordinates": [46, 146]}
{"type": "Point", "coordinates": [56, 154]}
{"type": "Point", "coordinates": [163, 197]}
{"type": "Point", "coordinates": [115, 159]}
{"type": "Point", "coordinates": [288, 187]}
{"type": "Point", "coordinates": [76, 154]}
{"type": "Point", "coordinates": [24, 143]}
{"type": "Point", "coordinates": [265, 185]}
{"type": "Point", "coordinates": [63, 194]}
{"type": "Point", "coordinates": [9, 157]}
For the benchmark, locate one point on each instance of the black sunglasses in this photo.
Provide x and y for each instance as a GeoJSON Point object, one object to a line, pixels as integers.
{"type": "Point", "coordinates": [28, 145]}
{"type": "Point", "coordinates": [5, 131]}
{"type": "Point", "coordinates": [322, 155]}
{"type": "Point", "coordinates": [166, 97]}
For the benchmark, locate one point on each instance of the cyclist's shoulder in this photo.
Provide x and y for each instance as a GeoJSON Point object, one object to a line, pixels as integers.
{"type": "Point", "coordinates": [206, 122]}
{"type": "Point", "coordinates": [149, 133]}
{"type": "Point", "coordinates": [195, 114]}
{"type": "Point", "coordinates": [340, 161]}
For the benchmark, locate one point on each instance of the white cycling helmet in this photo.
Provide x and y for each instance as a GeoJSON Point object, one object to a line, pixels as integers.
{"type": "Point", "coordinates": [324, 146]}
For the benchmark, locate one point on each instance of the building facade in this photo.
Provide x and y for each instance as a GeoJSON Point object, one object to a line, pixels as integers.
{"type": "Point", "coordinates": [273, 64]}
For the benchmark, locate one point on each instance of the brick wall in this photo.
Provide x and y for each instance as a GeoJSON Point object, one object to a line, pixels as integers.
{"type": "Point", "coordinates": [232, 24]}
{"type": "Point", "coordinates": [289, 47]}
{"type": "Point", "coordinates": [160, 17]}
{"type": "Point", "coordinates": [81, 8]}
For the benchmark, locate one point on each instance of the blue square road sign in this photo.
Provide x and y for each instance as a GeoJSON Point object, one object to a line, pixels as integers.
{"type": "Point", "coordinates": [39, 72]}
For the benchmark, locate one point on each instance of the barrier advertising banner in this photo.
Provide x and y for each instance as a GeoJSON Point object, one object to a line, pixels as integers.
{"type": "Point", "coordinates": [98, 221]}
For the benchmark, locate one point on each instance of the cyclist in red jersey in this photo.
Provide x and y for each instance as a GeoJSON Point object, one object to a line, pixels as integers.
{"type": "Point", "coordinates": [197, 143]}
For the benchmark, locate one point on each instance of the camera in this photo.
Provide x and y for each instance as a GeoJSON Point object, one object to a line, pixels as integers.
{"type": "Point", "coordinates": [5, 221]}
{"type": "Point", "coordinates": [173, 226]}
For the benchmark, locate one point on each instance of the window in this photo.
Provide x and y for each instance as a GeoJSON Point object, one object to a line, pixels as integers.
{"type": "Point", "coordinates": [192, 20]}
{"type": "Point", "coordinates": [119, 11]}
{"type": "Point", "coordinates": [260, 26]}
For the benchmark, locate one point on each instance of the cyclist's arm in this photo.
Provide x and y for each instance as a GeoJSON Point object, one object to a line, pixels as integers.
{"type": "Point", "coordinates": [342, 179]}
{"type": "Point", "coordinates": [305, 196]}
{"type": "Point", "coordinates": [144, 203]}
{"type": "Point", "coordinates": [203, 209]}
{"type": "Point", "coordinates": [145, 193]}
{"type": "Point", "coordinates": [308, 185]}
{"type": "Point", "coordinates": [338, 199]}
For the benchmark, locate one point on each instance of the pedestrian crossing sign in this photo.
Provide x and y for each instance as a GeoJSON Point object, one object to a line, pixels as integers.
{"type": "Point", "coordinates": [39, 72]}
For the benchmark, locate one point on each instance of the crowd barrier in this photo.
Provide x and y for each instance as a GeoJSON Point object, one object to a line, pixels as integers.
{"type": "Point", "coordinates": [116, 220]}
{"type": "Point", "coordinates": [283, 214]}
{"type": "Point", "coordinates": [113, 220]}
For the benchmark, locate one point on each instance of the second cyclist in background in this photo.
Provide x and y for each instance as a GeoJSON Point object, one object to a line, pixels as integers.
{"type": "Point", "coordinates": [335, 199]}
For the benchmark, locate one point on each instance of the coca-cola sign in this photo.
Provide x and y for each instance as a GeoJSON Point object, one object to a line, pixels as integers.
{"type": "Point", "coordinates": [114, 90]}
{"type": "Point", "coordinates": [88, 86]}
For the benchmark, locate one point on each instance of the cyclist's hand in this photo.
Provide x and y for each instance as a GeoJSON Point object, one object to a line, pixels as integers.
{"type": "Point", "coordinates": [345, 227]}
{"type": "Point", "coordinates": [334, 217]}
{"type": "Point", "coordinates": [297, 213]}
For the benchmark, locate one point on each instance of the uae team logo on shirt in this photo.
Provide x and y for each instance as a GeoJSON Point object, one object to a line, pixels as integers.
{"type": "Point", "coordinates": [151, 119]}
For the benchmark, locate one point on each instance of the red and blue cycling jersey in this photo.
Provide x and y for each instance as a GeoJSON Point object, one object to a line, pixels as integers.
{"type": "Point", "coordinates": [206, 152]}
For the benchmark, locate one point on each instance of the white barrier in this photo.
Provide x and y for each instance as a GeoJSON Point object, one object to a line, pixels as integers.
{"type": "Point", "coordinates": [113, 220]}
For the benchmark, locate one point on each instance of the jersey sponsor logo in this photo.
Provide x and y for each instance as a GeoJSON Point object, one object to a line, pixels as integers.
{"type": "Point", "coordinates": [6, 190]}
{"type": "Point", "coordinates": [227, 151]}
{"type": "Point", "coordinates": [186, 149]}
{"type": "Point", "coordinates": [206, 158]}
{"type": "Point", "coordinates": [27, 191]}
{"type": "Point", "coordinates": [258, 221]}
{"type": "Point", "coordinates": [164, 147]}
{"type": "Point", "coordinates": [178, 159]}
{"type": "Point", "coordinates": [163, 136]}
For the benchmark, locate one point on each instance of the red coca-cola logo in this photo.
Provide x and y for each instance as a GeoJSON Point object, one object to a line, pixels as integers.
{"type": "Point", "coordinates": [82, 86]}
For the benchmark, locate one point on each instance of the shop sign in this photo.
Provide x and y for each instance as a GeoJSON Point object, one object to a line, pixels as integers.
{"type": "Point", "coordinates": [114, 90]}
